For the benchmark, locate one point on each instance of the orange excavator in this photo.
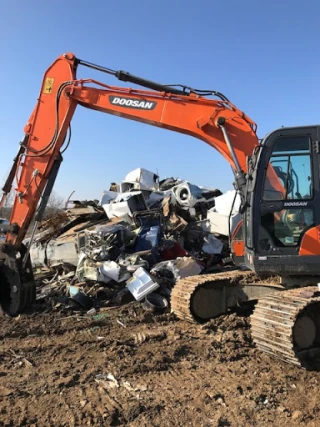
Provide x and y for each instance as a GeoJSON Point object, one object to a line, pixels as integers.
{"type": "Point", "coordinates": [277, 178]}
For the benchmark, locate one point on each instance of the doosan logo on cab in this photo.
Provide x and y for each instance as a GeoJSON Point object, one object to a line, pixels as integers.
{"type": "Point", "coordinates": [288, 204]}
{"type": "Point", "coordinates": [132, 103]}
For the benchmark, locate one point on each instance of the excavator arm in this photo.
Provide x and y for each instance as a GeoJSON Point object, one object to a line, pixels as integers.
{"type": "Point", "coordinates": [45, 132]}
{"type": "Point", "coordinates": [215, 121]}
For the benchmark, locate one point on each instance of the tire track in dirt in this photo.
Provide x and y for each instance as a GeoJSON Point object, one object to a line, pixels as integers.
{"type": "Point", "coordinates": [170, 373]}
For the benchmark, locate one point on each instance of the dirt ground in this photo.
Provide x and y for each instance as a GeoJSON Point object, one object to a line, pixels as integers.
{"type": "Point", "coordinates": [126, 366]}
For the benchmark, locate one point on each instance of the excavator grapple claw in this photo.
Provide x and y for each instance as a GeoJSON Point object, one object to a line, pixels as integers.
{"type": "Point", "coordinates": [17, 285]}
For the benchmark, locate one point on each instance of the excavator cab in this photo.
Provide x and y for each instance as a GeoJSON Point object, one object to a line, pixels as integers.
{"type": "Point", "coordinates": [282, 222]}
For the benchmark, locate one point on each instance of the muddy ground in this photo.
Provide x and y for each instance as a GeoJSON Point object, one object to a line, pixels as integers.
{"type": "Point", "coordinates": [126, 366]}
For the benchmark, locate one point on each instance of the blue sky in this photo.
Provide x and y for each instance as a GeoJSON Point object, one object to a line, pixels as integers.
{"type": "Point", "coordinates": [263, 55]}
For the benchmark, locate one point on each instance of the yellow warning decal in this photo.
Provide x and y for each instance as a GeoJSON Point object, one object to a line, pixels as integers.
{"type": "Point", "coordinates": [48, 85]}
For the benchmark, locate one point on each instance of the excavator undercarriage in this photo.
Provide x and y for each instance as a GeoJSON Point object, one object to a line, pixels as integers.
{"type": "Point", "coordinates": [285, 322]}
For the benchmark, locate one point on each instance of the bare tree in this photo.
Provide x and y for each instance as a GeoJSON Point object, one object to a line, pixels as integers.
{"type": "Point", "coordinates": [55, 205]}
{"type": "Point", "coordinates": [6, 208]}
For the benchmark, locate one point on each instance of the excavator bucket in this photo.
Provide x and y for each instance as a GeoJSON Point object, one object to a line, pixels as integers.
{"type": "Point", "coordinates": [17, 285]}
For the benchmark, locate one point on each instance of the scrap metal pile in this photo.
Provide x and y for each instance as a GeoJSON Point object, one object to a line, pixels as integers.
{"type": "Point", "coordinates": [135, 243]}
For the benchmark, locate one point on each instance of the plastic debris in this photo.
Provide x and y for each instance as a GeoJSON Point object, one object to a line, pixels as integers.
{"type": "Point", "coordinates": [113, 271]}
{"type": "Point", "coordinates": [187, 267]}
{"type": "Point", "coordinates": [177, 269]}
{"type": "Point", "coordinates": [222, 220]}
{"type": "Point", "coordinates": [77, 295]}
{"type": "Point", "coordinates": [107, 381]}
{"type": "Point", "coordinates": [141, 284]}
{"type": "Point", "coordinates": [142, 179]}
{"type": "Point", "coordinates": [125, 204]}
{"type": "Point", "coordinates": [107, 196]}
{"type": "Point", "coordinates": [212, 245]}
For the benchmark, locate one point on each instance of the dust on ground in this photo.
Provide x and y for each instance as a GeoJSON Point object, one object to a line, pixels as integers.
{"type": "Point", "coordinates": [126, 366]}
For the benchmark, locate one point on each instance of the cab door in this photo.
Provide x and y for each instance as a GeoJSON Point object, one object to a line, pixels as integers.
{"type": "Point", "coordinates": [285, 199]}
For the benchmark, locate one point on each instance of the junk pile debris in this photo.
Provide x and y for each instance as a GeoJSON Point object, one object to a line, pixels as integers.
{"type": "Point", "coordinates": [138, 240]}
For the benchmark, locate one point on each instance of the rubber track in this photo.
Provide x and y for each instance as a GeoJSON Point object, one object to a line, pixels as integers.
{"type": "Point", "coordinates": [273, 320]}
{"type": "Point", "coordinates": [184, 289]}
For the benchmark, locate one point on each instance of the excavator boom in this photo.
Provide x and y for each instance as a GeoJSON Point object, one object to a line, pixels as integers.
{"type": "Point", "coordinates": [39, 156]}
